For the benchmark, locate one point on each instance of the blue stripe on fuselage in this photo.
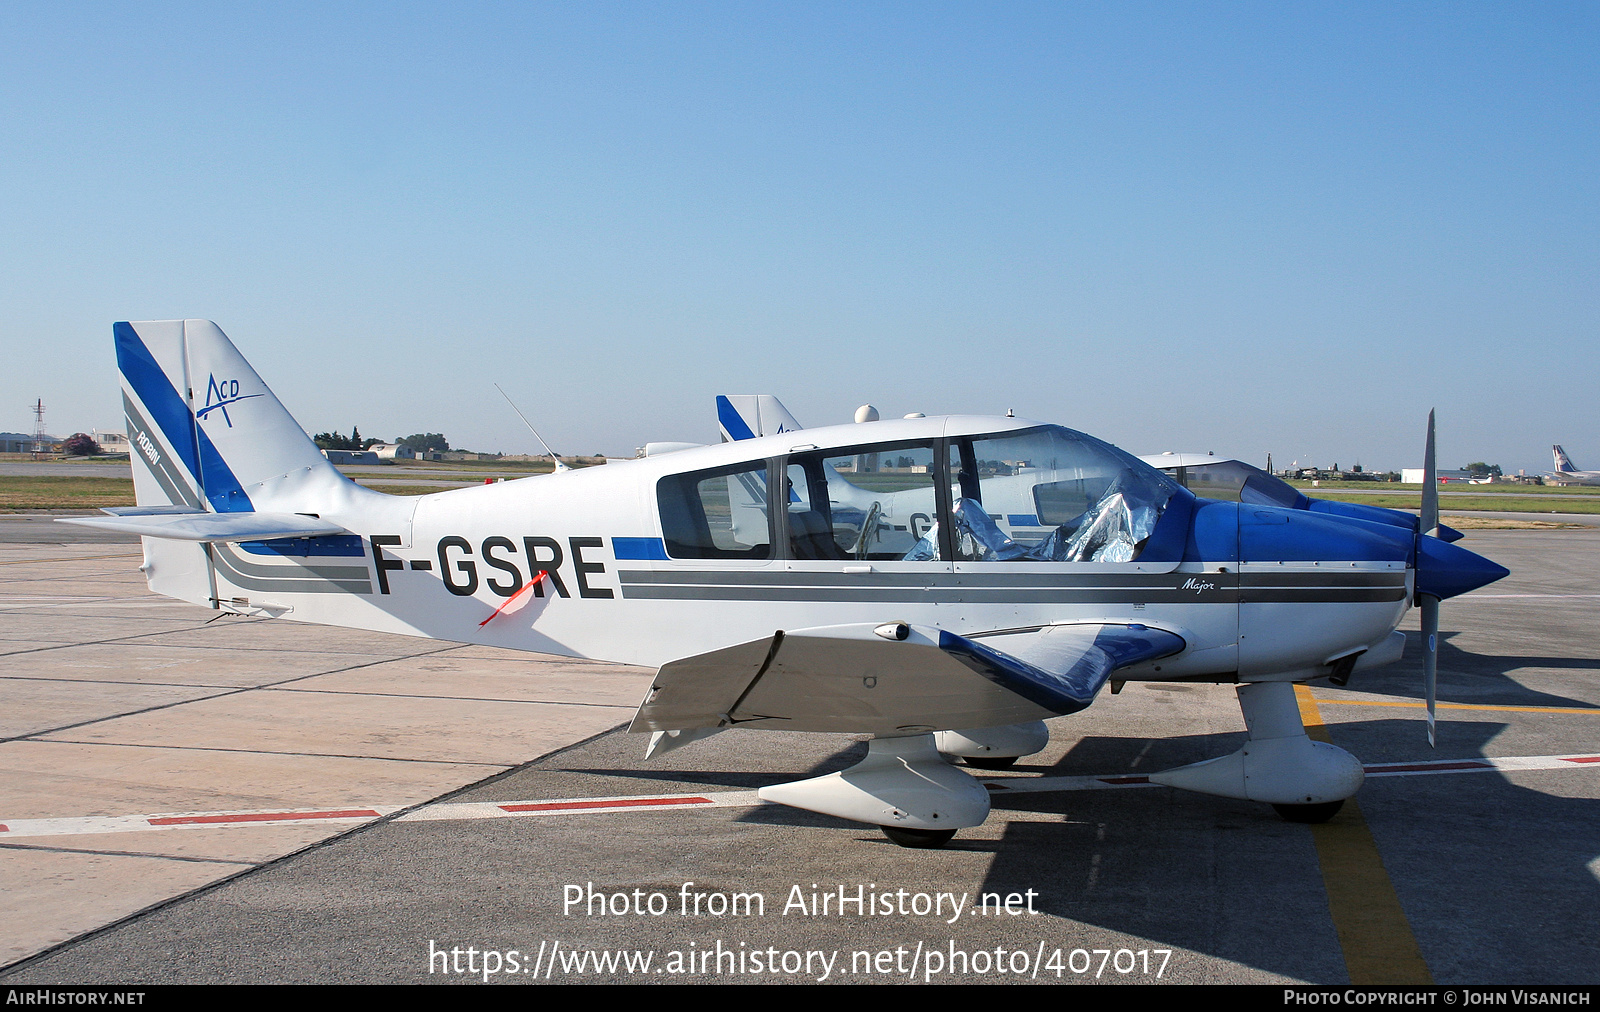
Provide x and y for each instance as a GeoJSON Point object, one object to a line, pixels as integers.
{"type": "Point", "coordinates": [638, 548]}
{"type": "Point", "coordinates": [347, 545]}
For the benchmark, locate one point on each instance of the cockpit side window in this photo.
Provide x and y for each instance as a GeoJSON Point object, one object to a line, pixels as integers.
{"type": "Point", "coordinates": [869, 502]}
{"type": "Point", "coordinates": [1040, 495]}
{"type": "Point", "coordinates": [716, 514]}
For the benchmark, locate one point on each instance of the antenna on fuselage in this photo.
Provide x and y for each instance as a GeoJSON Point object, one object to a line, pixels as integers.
{"type": "Point", "coordinates": [551, 453]}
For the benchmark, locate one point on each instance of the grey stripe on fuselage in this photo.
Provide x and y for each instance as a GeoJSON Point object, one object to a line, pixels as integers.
{"type": "Point", "coordinates": [969, 579]}
{"type": "Point", "coordinates": [291, 577]}
{"type": "Point", "coordinates": [1017, 588]}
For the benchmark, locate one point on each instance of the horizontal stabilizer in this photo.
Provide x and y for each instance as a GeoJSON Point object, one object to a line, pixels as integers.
{"type": "Point", "coordinates": [860, 678]}
{"type": "Point", "coordinates": [151, 511]}
{"type": "Point", "coordinates": [197, 526]}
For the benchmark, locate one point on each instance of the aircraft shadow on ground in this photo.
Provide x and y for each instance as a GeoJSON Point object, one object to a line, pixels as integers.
{"type": "Point", "coordinates": [731, 778]}
{"type": "Point", "coordinates": [1493, 877]}
{"type": "Point", "coordinates": [1467, 677]}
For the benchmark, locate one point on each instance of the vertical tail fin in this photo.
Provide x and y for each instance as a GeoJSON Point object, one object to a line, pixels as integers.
{"type": "Point", "coordinates": [1563, 462]}
{"type": "Point", "coordinates": [205, 429]}
{"type": "Point", "coordinates": [745, 416]}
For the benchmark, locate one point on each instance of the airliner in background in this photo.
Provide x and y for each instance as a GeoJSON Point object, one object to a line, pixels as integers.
{"type": "Point", "coordinates": [1566, 474]}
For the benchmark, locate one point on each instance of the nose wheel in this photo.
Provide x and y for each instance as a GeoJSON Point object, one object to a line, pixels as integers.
{"type": "Point", "coordinates": [1309, 814]}
{"type": "Point", "coordinates": [918, 839]}
{"type": "Point", "coordinates": [1003, 762]}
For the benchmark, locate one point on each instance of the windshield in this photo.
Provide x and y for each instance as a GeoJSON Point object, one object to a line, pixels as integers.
{"type": "Point", "coordinates": [1053, 495]}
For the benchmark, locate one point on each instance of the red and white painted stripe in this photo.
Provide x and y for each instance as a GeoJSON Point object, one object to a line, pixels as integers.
{"type": "Point", "coordinates": [448, 811]}
{"type": "Point", "coordinates": [12, 828]}
{"type": "Point", "coordinates": [457, 811]}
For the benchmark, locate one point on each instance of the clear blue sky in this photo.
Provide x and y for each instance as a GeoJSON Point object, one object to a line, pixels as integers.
{"type": "Point", "coordinates": [1235, 227]}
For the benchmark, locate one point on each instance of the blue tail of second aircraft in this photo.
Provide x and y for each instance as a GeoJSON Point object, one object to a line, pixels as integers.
{"type": "Point", "coordinates": [745, 416]}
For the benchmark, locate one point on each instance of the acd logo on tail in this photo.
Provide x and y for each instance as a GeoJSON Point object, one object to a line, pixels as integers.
{"type": "Point", "coordinates": [220, 395]}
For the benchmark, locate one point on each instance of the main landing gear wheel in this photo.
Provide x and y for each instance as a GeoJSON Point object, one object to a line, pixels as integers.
{"type": "Point", "coordinates": [1001, 762]}
{"type": "Point", "coordinates": [1310, 813]}
{"type": "Point", "coordinates": [919, 839]}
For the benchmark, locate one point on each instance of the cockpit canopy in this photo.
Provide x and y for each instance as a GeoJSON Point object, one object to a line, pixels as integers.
{"type": "Point", "coordinates": [1218, 478]}
{"type": "Point", "coordinates": [1042, 494]}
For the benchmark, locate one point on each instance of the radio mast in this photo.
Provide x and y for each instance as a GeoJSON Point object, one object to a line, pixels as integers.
{"type": "Point", "coordinates": [38, 430]}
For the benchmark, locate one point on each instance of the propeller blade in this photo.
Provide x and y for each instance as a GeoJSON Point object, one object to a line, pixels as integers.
{"type": "Point", "coordinates": [1430, 487]}
{"type": "Point", "coordinates": [1430, 657]}
{"type": "Point", "coordinates": [1428, 526]}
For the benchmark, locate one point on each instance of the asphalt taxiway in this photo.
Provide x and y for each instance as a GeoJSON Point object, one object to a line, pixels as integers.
{"type": "Point", "coordinates": [462, 808]}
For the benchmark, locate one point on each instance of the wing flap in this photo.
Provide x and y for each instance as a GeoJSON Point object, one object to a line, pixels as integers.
{"type": "Point", "coordinates": [852, 679]}
{"type": "Point", "coordinates": [195, 526]}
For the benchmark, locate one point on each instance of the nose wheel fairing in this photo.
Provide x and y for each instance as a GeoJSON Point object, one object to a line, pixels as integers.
{"type": "Point", "coordinates": [1278, 763]}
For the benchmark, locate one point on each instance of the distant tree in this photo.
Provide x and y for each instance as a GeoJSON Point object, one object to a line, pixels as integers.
{"type": "Point", "coordinates": [334, 441]}
{"type": "Point", "coordinates": [426, 441]}
{"type": "Point", "coordinates": [80, 444]}
{"type": "Point", "coordinates": [1479, 469]}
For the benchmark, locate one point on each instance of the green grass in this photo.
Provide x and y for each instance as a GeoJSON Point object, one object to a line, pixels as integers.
{"type": "Point", "coordinates": [1450, 488]}
{"type": "Point", "coordinates": [521, 467]}
{"type": "Point", "coordinates": [1464, 504]}
{"type": "Point", "coordinates": [410, 489]}
{"type": "Point", "coordinates": [35, 492]}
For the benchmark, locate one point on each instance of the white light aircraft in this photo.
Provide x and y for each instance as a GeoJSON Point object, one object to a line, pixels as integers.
{"type": "Point", "coordinates": [943, 584]}
{"type": "Point", "coordinates": [1566, 474]}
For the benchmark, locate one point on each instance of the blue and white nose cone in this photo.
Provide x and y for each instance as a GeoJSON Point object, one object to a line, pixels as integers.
{"type": "Point", "coordinates": [1443, 570]}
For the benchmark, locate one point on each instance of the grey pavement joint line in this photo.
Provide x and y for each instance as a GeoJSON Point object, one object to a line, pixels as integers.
{"type": "Point", "coordinates": [127, 853]}
{"type": "Point", "coordinates": [222, 695]}
{"type": "Point", "coordinates": [465, 699]}
{"type": "Point", "coordinates": [321, 692]}
{"type": "Point", "coordinates": [268, 751]}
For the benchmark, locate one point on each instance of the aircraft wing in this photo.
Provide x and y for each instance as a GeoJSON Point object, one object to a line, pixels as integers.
{"type": "Point", "coordinates": [895, 678]}
{"type": "Point", "coordinates": [186, 524]}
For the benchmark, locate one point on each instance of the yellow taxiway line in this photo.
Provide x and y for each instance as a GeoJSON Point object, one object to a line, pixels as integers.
{"type": "Point", "coordinates": [1378, 945]}
{"type": "Point", "coordinates": [1447, 706]}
